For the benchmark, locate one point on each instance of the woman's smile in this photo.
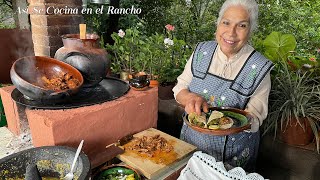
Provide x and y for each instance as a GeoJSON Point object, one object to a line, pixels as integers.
{"type": "Point", "coordinates": [229, 42]}
{"type": "Point", "coordinates": [233, 30]}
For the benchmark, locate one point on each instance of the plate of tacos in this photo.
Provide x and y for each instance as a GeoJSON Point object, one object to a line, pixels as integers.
{"type": "Point", "coordinates": [219, 121]}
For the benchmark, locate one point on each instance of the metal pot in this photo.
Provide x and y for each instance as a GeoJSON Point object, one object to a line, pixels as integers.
{"type": "Point", "coordinates": [86, 56]}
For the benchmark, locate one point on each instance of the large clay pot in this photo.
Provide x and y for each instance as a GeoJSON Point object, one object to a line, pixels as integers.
{"type": "Point", "coordinates": [293, 134]}
{"type": "Point", "coordinates": [86, 56]}
{"type": "Point", "coordinates": [27, 75]}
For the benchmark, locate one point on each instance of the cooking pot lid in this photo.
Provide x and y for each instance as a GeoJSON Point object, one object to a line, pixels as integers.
{"type": "Point", "coordinates": [108, 89]}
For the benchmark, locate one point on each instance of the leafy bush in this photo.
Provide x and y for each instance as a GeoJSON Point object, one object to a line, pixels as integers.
{"type": "Point", "coordinates": [6, 16]}
{"type": "Point", "coordinates": [157, 54]}
{"type": "Point", "coordinates": [300, 18]}
{"type": "Point", "coordinates": [195, 20]}
{"type": "Point", "coordinates": [173, 61]}
{"type": "Point", "coordinates": [125, 50]}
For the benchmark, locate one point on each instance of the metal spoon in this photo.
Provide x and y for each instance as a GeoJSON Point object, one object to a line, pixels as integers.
{"type": "Point", "coordinates": [69, 176]}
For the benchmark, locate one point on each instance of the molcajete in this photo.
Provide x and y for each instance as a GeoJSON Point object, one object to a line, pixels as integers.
{"type": "Point", "coordinates": [86, 56]}
{"type": "Point", "coordinates": [51, 161]}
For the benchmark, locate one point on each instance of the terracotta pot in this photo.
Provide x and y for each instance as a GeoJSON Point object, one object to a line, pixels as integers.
{"type": "Point", "coordinates": [154, 83]}
{"type": "Point", "coordinates": [86, 56]}
{"type": "Point", "coordinates": [293, 134]}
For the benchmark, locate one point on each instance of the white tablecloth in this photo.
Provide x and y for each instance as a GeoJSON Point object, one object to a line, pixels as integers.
{"type": "Point", "coordinates": [202, 166]}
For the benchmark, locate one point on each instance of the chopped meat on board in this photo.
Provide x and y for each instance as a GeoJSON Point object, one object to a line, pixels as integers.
{"type": "Point", "coordinates": [149, 145]}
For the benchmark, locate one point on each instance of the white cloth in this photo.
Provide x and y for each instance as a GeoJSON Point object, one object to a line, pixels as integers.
{"type": "Point", "coordinates": [202, 166]}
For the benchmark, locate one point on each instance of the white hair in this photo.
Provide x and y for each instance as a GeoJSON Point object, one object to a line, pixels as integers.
{"type": "Point", "coordinates": [250, 5]}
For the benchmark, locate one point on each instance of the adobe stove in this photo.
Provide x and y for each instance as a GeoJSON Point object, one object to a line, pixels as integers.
{"type": "Point", "coordinates": [101, 111]}
{"type": "Point", "coordinates": [82, 54]}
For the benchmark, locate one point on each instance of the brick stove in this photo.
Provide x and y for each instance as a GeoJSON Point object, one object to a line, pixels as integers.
{"type": "Point", "coordinates": [99, 125]}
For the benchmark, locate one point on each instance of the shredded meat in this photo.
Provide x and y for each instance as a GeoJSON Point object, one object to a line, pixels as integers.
{"type": "Point", "coordinates": [225, 120]}
{"type": "Point", "coordinates": [62, 82]}
{"type": "Point", "coordinates": [149, 145]}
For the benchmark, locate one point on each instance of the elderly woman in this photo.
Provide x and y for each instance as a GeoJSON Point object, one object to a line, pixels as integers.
{"type": "Point", "coordinates": [228, 72]}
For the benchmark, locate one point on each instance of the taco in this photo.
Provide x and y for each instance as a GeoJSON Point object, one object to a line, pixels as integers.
{"type": "Point", "coordinates": [198, 120]}
{"type": "Point", "coordinates": [217, 120]}
{"type": "Point", "coordinates": [214, 118]}
{"type": "Point", "coordinates": [225, 122]}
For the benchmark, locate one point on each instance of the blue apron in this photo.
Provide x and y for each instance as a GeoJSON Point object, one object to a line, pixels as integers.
{"type": "Point", "coordinates": [239, 149]}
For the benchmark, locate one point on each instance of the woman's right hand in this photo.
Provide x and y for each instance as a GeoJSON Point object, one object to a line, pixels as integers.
{"type": "Point", "coordinates": [192, 102]}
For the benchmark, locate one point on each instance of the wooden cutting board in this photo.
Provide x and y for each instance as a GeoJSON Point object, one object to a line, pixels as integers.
{"type": "Point", "coordinates": [149, 168]}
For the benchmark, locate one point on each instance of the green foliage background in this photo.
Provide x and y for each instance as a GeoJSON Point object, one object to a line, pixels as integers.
{"type": "Point", "coordinates": [6, 13]}
{"type": "Point", "coordinates": [298, 17]}
{"type": "Point", "coordinates": [195, 21]}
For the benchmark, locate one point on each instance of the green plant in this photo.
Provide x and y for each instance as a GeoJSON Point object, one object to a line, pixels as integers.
{"type": "Point", "coordinates": [154, 50]}
{"type": "Point", "coordinates": [6, 15]}
{"type": "Point", "coordinates": [126, 49]}
{"type": "Point", "coordinates": [154, 15]}
{"type": "Point", "coordinates": [279, 45]}
{"type": "Point", "coordinates": [174, 57]}
{"type": "Point", "coordinates": [295, 92]}
{"type": "Point", "coordinates": [195, 20]}
{"type": "Point", "coordinates": [174, 61]}
{"type": "Point", "coordinates": [158, 55]}
{"type": "Point", "coordinates": [300, 18]}
{"type": "Point", "coordinates": [294, 95]}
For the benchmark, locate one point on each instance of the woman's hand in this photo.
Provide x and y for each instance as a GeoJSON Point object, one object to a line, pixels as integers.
{"type": "Point", "coordinates": [192, 102]}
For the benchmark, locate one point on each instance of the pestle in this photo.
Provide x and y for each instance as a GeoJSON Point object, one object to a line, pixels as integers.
{"type": "Point", "coordinates": [32, 172]}
{"type": "Point", "coordinates": [82, 28]}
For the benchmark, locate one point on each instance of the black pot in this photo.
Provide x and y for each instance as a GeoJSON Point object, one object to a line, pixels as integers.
{"type": "Point", "coordinates": [86, 56]}
{"type": "Point", "coordinates": [52, 161]}
{"type": "Point", "coordinates": [139, 81]}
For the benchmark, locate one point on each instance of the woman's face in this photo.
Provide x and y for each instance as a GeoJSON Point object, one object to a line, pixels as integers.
{"type": "Point", "coordinates": [233, 30]}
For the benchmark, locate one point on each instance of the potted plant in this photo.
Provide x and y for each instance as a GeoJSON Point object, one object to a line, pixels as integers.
{"type": "Point", "coordinates": [294, 102]}
{"type": "Point", "coordinates": [124, 51]}
{"type": "Point", "coordinates": [154, 50]}
{"type": "Point", "coordinates": [174, 56]}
